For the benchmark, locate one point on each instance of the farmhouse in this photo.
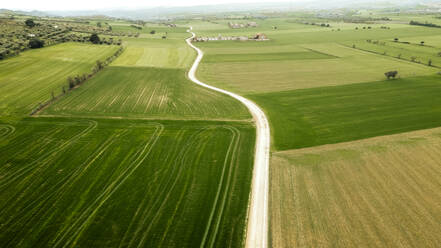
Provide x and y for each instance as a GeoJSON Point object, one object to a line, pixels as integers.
{"type": "Point", "coordinates": [241, 25]}
{"type": "Point", "coordinates": [257, 37]}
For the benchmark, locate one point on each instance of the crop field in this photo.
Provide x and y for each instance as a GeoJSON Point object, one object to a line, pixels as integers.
{"type": "Point", "coordinates": [146, 92]}
{"type": "Point", "coordinates": [300, 56]}
{"type": "Point", "coordinates": [150, 84]}
{"type": "Point", "coordinates": [154, 52]}
{"type": "Point", "coordinates": [29, 79]}
{"type": "Point", "coordinates": [311, 117]}
{"type": "Point", "coordinates": [380, 192]}
{"type": "Point", "coordinates": [343, 65]}
{"type": "Point", "coordinates": [67, 183]}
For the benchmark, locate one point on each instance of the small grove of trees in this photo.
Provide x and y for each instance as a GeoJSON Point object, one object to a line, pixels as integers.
{"type": "Point", "coordinates": [36, 43]}
{"type": "Point", "coordinates": [94, 38]}
{"type": "Point", "coordinates": [391, 74]}
{"type": "Point", "coordinates": [30, 23]}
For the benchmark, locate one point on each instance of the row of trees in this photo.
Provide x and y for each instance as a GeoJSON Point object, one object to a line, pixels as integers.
{"type": "Point", "coordinates": [426, 24]}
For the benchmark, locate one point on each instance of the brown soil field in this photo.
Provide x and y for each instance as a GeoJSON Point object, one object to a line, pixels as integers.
{"type": "Point", "coordinates": [379, 192]}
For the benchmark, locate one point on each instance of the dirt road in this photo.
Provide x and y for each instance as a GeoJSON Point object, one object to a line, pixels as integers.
{"type": "Point", "coordinates": [257, 229]}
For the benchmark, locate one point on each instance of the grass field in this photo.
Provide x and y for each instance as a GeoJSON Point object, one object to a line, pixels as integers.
{"type": "Point", "coordinates": [380, 192]}
{"type": "Point", "coordinates": [148, 93]}
{"type": "Point", "coordinates": [29, 79]}
{"type": "Point", "coordinates": [110, 183]}
{"type": "Point", "coordinates": [311, 117]}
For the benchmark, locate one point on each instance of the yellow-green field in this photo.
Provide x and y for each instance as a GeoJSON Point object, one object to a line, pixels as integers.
{"type": "Point", "coordinates": [156, 52]}
{"type": "Point", "coordinates": [30, 78]}
{"type": "Point", "coordinates": [380, 192]}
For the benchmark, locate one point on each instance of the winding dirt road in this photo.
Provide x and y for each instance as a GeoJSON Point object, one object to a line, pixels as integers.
{"type": "Point", "coordinates": [257, 229]}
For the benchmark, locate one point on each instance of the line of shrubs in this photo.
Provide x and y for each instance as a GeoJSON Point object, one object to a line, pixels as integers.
{"type": "Point", "coordinates": [425, 24]}
{"type": "Point", "coordinates": [77, 80]}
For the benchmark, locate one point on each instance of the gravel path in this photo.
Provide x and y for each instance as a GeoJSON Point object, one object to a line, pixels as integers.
{"type": "Point", "coordinates": [257, 229]}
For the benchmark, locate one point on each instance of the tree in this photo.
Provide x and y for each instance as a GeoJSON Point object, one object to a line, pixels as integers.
{"type": "Point", "coordinates": [396, 39]}
{"type": "Point", "coordinates": [153, 32]}
{"type": "Point", "coordinates": [98, 24]}
{"type": "Point", "coordinates": [422, 43]}
{"type": "Point", "coordinates": [36, 43]}
{"type": "Point", "coordinates": [99, 65]}
{"type": "Point", "coordinates": [30, 23]}
{"type": "Point", "coordinates": [71, 82]}
{"type": "Point", "coordinates": [94, 38]}
{"type": "Point", "coordinates": [391, 74]}
{"type": "Point", "coordinates": [429, 63]}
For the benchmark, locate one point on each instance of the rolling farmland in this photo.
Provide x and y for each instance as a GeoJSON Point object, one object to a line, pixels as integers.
{"type": "Point", "coordinates": [137, 156]}
{"type": "Point", "coordinates": [78, 176]}
{"type": "Point", "coordinates": [30, 78]}
{"type": "Point", "coordinates": [373, 190]}
{"type": "Point", "coordinates": [381, 192]}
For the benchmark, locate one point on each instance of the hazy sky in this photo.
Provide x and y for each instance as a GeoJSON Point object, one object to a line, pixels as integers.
{"type": "Point", "coordinates": [109, 4]}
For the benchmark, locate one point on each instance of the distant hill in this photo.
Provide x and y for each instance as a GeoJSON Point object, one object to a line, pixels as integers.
{"type": "Point", "coordinates": [171, 12]}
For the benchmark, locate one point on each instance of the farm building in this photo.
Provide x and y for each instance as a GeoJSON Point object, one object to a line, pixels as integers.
{"type": "Point", "coordinates": [260, 36]}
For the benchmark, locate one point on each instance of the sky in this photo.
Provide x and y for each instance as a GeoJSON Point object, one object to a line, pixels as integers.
{"type": "Point", "coordinates": [110, 4]}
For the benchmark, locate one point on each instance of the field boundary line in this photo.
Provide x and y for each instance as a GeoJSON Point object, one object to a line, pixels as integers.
{"type": "Point", "coordinates": [257, 222]}
{"type": "Point", "coordinates": [142, 118]}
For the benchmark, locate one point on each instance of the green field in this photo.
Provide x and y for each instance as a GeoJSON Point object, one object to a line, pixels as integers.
{"type": "Point", "coordinates": [29, 79]}
{"type": "Point", "coordinates": [311, 117]}
{"type": "Point", "coordinates": [379, 192]}
{"type": "Point", "coordinates": [146, 92]}
{"type": "Point", "coordinates": [109, 183]}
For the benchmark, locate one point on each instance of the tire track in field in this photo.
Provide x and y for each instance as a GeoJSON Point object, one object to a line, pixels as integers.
{"type": "Point", "coordinates": [87, 215]}
{"type": "Point", "coordinates": [142, 209]}
{"type": "Point", "coordinates": [6, 130]}
{"type": "Point", "coordinates": [47, 157]}
{"type": "Point", "coordinates": [58, 188]}
{"type": "Point", "coordinates": [230, 158]}
{"type": "Point", "coordinates": [165, 193]}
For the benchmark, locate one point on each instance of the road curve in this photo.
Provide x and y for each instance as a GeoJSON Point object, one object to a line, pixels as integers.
{"type": "Point", "coordinates": [257, 228]}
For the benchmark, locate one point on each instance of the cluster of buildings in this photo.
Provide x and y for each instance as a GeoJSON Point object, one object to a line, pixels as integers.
{"type": "Point", "coordinates": [257, 37]}
{"type": "Point", "coordinates": [241, 25]}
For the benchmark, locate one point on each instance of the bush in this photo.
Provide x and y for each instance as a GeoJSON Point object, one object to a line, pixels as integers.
{"type": "Point", "coordinates": [36, 43]}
